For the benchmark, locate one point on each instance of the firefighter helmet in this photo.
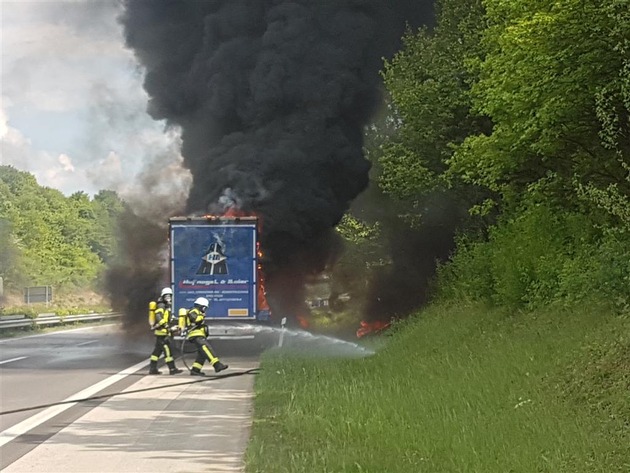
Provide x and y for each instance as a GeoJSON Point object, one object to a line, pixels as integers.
{"type": "Point", "coordinates": [202, 303]}
{"type": "Point", "coordinates": [167, 291]}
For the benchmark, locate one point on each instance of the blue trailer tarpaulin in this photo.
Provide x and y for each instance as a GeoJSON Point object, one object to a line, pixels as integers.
{"type": "Point", "coordinates": [215, 259]}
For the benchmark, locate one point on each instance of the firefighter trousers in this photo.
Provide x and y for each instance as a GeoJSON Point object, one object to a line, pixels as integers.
{"type": "Point", "coordinates": [204, 352]}
{"type": "Point", "coordinates": [162, 345]}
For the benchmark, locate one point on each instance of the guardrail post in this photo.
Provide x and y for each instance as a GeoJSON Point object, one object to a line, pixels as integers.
{"type": "Point", "coordinates": [283, 324]}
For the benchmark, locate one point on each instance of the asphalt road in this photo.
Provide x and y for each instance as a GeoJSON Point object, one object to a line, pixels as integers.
{"type": "Point", "coordinates": [46, 370]}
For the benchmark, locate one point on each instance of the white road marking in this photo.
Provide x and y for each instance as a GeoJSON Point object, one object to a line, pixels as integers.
{"type": "Point", "coordinates": [87, 343]}
{"type": "Point", "coordinates": [47, 414]}
{"type": "Point", "coordinates": [13, 359]}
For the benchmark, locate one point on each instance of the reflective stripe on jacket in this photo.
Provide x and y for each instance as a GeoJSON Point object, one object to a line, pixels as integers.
{"type": "Point", "coordinates": [196, 327]}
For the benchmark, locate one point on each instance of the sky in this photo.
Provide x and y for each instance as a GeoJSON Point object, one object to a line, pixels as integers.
{"type": "Point", "coordinates": [72, 109]}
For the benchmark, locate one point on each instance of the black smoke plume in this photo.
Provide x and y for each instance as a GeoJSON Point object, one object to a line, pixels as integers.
{"type": "Point", "coordinates": [132, 282]}
{"type": "Point", "coordinates": [271, 97]}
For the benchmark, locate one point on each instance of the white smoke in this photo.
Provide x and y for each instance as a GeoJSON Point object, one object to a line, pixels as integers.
{"type": "Point", "coordinates": [73, 109]}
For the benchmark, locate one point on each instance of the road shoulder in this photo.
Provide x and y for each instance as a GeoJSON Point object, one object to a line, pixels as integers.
{"type": "Point", "coordinates": [160, 423]}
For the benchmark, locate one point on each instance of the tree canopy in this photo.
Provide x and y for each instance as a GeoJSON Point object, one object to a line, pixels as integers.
{"type": "Point", "coordinates": [50, 239]}
{"type": "Point", "coordinates": [524, 108]}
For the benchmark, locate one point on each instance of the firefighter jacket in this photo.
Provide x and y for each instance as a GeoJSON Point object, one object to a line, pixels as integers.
{"type": "Point", "coordinates": [196, 326]}
{"type": "Point", "coordinates": [162, 318]}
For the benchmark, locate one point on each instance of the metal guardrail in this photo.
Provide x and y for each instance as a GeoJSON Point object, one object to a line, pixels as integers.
{"type": "Point", "coordinates": [22, 321]}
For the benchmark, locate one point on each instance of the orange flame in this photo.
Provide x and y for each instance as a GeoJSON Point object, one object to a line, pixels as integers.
{"type": "Point", "coordinates": [375, 327]}
{"type": "Point", "coordinates": [262, 292]}
{"type": "Point", "coordinates": [303, 321]}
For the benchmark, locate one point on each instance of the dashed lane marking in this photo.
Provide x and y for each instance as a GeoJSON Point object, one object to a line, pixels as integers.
{"type": "Point", "coordinates": [13, 359]}
{"type": "Point", "coordinates": [28, 424]}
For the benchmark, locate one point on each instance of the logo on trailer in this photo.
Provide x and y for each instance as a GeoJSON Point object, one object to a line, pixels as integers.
{"type": "Point", "coordinates": [214, 260]}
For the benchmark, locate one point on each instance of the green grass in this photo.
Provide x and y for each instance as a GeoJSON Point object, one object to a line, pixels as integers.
{"type": "Point", "coordinates": [459, 389]}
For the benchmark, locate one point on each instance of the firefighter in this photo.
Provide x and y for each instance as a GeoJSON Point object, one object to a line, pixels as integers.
{"type": "Point", "coordinates": [197, 334]}
{"type": "Point", "coordinates": [160, 320]}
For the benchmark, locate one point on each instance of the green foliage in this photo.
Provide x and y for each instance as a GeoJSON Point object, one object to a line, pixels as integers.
{"type": "Point", "coordinates": [525, 105]}
{"type": "Point", "coordinates": [468, 275]}
{"type": "Point", "coordinates": [10, 254]}
{"type": "Point", "coordinates": [542, 256]}
{"type": "Point", "coordinates": [31, 312]}
{"type": "Point", "coordinates": [362, 253]}
{"type": "Point", "coordinates": [103, 240]}
{"type": "Point", "coordinates": [50, 239]}
{"type": "Point", "coordinates": [554, 80]}
{"type": "Point", "coordinates": [429, 81]}
{"type": "Point", "coordinates": [431, 113]}
{"type": "Point", "coordinates": [611, 200]}
{"type": "Point", "coordinates": [355, 231]}
{"type": "Point", "coordinates": [612, 267]}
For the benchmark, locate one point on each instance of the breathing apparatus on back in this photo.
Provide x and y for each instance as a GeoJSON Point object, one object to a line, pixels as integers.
{"type": "Point", "coordinates": [152, 307]}
{"type": "Point", "coordinates": [166, 296]}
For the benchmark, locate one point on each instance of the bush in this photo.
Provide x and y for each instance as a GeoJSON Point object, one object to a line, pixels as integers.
{"type": "Point", "coordinates": [542, 256]}
{"type": "Point", "coordinates": [30, 312]}
{"type": "Point", "coordinates": [468, 276]}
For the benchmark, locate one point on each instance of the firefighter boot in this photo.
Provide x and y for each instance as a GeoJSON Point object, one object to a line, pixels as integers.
{"type": "Point", "coordinates": [197, 372]}
{"type": "Point", "coordinates": [172, 369]}
{"type": "Point", "coordinates": [153, 368]}
{"type": "Point", "coordinates": [218, 366]}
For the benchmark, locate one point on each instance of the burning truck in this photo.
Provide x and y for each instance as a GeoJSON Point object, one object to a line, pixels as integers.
{"type": "Point", "coordinates": [271, 100]}
{"type": "Point", "coordinates": [219, 258]}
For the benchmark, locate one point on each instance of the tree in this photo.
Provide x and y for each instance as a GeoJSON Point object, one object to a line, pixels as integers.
{"type": "Point", "coordinates": [429, 114]}
{"type": "Point", "coordinates": [48, 238]}
{"type": "Point", "coordinates": [555, 83]}
{"type": "Point", "coordinates": [430, 81]}
{"type": "Point", "coordinates": [107, 207]}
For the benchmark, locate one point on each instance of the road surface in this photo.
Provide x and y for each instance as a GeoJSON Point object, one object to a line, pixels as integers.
{"type": "Point", "coordinates": [151, 423]}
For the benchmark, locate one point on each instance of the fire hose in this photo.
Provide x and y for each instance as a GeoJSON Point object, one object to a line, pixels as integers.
{"type": "Point", "coordinates": [252, 371]}
{"type": "Point", "coordinates": [182, 349]}
{"type": "Point", "coordinates": [173, 330]}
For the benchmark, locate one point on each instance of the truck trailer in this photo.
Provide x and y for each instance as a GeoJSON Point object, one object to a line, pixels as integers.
{"type": "Point", "coordinates": [218, 258]}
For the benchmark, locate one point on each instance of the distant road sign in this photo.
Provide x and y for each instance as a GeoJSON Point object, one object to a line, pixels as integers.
{"type": "Point", "coordinates": [34, 294]}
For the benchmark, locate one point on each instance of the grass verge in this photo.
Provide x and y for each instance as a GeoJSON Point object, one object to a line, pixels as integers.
{"type": "Point", "coordinates": [457, 389]}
